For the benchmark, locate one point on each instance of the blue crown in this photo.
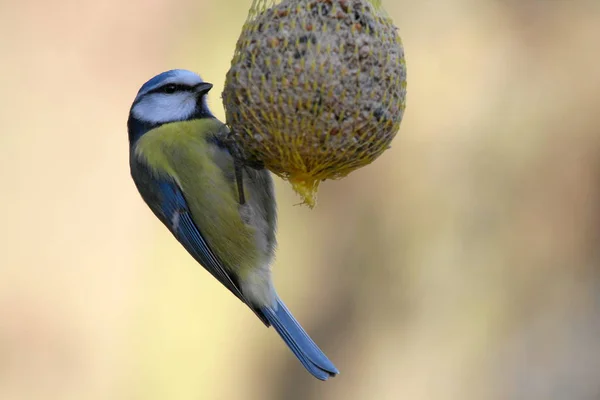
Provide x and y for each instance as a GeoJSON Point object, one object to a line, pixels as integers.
{"type": "Point", "coordinates": [160, 78]}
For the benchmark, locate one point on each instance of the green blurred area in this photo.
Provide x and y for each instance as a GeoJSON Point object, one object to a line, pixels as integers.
{"type": "Point", "coordinates": [463, 264]}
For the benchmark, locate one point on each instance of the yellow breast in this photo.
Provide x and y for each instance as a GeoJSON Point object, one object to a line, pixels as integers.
{"type": "Point", "coordinates": [180, 151]}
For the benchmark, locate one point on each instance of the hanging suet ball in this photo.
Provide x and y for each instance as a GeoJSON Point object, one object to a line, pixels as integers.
{"type": "Point", "coordinates": [316, 88]}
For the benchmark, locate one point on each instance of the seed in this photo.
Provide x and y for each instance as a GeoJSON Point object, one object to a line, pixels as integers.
{"type": "Point", "coordinates": [325, 94]}
{"type": "Point", "coordinates": [274, 42]}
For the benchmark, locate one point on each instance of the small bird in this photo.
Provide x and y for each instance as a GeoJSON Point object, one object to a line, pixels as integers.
{"type": "Point", "coordinates": [186, 175]}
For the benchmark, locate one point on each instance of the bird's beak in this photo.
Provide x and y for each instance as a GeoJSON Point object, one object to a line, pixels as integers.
{"type": "Point", "coordinates": [203, 88]}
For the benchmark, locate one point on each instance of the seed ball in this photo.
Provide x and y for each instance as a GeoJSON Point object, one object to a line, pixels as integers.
{"type": "Point", "coordinates": [316, 88]}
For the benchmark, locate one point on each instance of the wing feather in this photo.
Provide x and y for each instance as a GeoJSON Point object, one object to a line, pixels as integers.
{"type": "Point", "coordinates": [168, 203]}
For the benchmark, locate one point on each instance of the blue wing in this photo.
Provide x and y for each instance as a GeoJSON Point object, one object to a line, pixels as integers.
{"type": "Point", "coordinates": [167, 201]}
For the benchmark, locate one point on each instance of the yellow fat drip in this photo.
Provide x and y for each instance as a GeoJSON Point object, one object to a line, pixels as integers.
{"type": "Point", "coordinates": [306, 186]}
{"type": "Point", "coordinates": [316, 88]}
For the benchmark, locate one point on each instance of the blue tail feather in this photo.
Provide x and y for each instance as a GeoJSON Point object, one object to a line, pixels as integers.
{"type": "Point", "coordinates": [309, 354]}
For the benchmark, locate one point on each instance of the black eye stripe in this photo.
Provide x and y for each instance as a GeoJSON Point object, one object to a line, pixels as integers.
{"type": "Point", "coordinates": [172, 88]}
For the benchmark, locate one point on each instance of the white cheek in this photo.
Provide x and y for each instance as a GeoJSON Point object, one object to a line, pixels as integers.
{"type": "Point", "coordinates": [160, 108]}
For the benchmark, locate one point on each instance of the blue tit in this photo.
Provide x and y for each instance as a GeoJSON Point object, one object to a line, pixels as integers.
{"type": "Point", "coordinates": [185, 174]}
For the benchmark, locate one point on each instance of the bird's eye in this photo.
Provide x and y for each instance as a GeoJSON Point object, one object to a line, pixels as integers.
{"type": "Point", "coordinates": [170, 88]}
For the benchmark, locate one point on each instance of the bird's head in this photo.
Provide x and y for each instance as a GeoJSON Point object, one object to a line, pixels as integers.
{"type": "Point", "coordinates": [176, 95]}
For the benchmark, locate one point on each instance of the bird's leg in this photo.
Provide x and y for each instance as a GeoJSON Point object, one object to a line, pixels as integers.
{"type": "Point", "coordinates": [239, 164]}
{"type": "Point", "coordinates": [239, 178]}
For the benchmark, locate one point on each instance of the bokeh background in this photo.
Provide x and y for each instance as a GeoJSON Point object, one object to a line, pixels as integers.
{"type": "Point", "coordinates": [463, 264]}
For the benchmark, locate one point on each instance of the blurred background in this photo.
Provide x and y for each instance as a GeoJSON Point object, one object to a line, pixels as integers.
{"type": "Point", "coordinates": [462, 264]}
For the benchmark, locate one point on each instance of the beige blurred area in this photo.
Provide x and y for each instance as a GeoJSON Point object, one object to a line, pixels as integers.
{"type": "Point", "coordinates": [461, 265]}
